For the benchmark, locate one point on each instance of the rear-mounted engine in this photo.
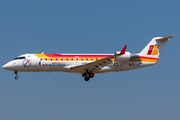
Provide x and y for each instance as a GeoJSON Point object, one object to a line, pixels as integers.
{"type": "Point", "coordinates": [124, 57]}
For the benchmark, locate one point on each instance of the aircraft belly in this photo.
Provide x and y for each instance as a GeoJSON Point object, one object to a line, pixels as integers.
{"type": "Point", "coordinates": [41, 68]}
{"type": "Point", "coordinates": [124, 66]}
{"type": "Point", "coordinates": [113, 67]}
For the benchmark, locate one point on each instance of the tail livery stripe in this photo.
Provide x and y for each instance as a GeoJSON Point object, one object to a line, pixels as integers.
{"type": "Point", "coordinates": [150, 49]}
{"type": "Point", "coordinates": [153, 50]}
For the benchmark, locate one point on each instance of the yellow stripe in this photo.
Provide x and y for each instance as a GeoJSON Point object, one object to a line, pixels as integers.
{"type": "Point", "coordinates": [41, 55]}
{"type": "Point", "coordinates": [148, 60]}
{"type": "Point", "coordinates": [53, 59]}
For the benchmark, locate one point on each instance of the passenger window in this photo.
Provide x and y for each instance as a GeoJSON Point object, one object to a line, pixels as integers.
{"type": "Point", "coordinates": [61, 59]}
{"type": "Point", "coordinates": [91, 59]}
{"type": "Point", "coordinates": [86, 59]}
{"type": "Point", "coordinates": [81, 59]}
{"type": "Point", "coordinates": [97, 59]}
{"type": "Point", "coordinates": [46, 59]}
{"type": "Point", "coordinates": [56, 59]}
{"type": "Point", "coordinates": [67, 59]}
{"type": "Point", "coordinates": [72, 59]}
{"type": "Point", "coordinates": [41, 59]}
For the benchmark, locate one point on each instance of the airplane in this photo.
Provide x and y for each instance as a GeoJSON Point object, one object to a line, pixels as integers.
{"type": "Point", "coordinates": [89, 64]}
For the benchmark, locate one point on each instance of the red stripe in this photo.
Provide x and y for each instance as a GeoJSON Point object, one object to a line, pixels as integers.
{"type": "Point", "coordinates": [142, 57]}
{"type": "Point", "coordinates": [149, 52]}
{"type": "Point", "coordinates": [72, 56]}
{"type": "Point", "coordinates": [150, 49]}
{"type": "Point", "coordinates": [53, 55]}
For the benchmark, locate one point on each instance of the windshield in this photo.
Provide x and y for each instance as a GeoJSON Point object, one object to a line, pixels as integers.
{"type": "Point", "coordinates": [17, 58]}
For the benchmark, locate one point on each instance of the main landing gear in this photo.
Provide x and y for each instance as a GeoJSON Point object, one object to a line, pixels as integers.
{"type": "Point", "coordinates": [87, 75]}
{"type": "Point", "coordinates": [16, 73]}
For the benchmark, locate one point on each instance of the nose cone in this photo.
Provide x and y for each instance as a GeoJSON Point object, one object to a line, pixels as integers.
{"type": "Point", "coordinates": [8, 66]}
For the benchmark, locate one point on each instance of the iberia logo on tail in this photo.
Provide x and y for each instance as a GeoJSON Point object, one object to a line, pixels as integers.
{"type": "Point", "coordinates": [153, 50]}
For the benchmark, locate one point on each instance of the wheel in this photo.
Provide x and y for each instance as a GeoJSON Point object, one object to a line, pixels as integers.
{"type": "Point", "coordinates": [91, 75]}
{"type": "Point", "coordinates": [16, 77]}
{"type": "Point", "coordinates": [86, 78]}
{"type": "Point", "coordinates": [83, 75]}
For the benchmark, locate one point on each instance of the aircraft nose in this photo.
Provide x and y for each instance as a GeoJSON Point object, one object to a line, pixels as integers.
{"type": "Point", "coordinates": [7, 66]}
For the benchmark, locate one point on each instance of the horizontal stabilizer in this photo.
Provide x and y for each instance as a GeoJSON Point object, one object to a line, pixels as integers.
{"type": "Point", "coordinates": [167, 38]}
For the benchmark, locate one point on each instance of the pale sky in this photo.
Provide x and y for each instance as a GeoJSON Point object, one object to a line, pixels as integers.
{"type": "Point", "coordinates": [102, 26]}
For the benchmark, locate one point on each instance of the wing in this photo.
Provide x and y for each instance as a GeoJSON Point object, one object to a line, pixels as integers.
{"type": "Point", "coordinates": [97, 65]}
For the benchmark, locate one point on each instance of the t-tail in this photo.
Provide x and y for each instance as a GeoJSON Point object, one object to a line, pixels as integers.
{"type": "Point", "coordinates": [154, 47]}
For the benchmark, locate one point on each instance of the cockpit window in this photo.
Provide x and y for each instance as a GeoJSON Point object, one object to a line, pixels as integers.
{"type": "Point", "coordinates": [17, 58]}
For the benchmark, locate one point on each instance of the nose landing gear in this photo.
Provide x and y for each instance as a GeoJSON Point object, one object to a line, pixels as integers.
{"type": "Point", "coordinates": [16, 77]}
{"type": "Point", "coordinates": [16, 73]}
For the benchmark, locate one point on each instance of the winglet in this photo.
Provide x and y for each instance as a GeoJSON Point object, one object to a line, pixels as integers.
{"type": "Point", "coordinates": [123, 50]}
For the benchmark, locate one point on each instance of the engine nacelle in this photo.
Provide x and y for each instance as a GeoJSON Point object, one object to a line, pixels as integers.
{"type": "Point", "coordinates": [124, 57]}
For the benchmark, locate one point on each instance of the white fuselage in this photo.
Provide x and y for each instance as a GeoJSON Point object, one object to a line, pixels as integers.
{"type": "Point", "coordinates": [89, 64]}
{"type": "Point", "coordinates": [37, 63]}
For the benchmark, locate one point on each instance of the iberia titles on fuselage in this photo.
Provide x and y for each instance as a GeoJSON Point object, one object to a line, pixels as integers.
{"type": "Point", "coordinates": [89, 64]}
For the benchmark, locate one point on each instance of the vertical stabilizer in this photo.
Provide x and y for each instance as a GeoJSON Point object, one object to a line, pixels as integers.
{"type": "Point", "coordinates": [155, 46]}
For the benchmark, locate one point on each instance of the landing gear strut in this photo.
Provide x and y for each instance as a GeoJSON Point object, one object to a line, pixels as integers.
{"type": "Point", "coordinates": [16, 73]}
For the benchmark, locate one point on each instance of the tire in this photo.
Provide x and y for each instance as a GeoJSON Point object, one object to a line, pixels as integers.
{"type": "Point", "coordinates": [91, 75]}
{"type": "Point", "coordinates": [86, 78]}
{"type": "Point", "coordinates": [16, 77]}
{"type": "Point", "coordinates": [83, 75]}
